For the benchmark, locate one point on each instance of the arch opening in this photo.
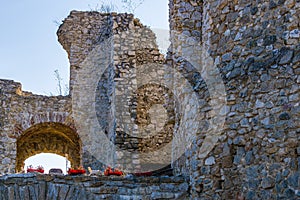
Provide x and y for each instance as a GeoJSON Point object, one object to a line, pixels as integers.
{"type": "Point", "coordinates": [49, 137]}
{"type": "Point", "coordinates": [48, 161]}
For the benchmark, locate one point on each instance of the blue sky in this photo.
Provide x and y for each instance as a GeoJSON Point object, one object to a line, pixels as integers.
{"type": "Point", "coordinates": [29, 50]}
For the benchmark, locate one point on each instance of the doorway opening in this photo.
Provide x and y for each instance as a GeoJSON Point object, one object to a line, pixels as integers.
{"type": "Point", "coordinates": [51, 138]}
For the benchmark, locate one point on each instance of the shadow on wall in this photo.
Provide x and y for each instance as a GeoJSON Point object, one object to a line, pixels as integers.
{"type": "Point", "coordinates": [90, 161]}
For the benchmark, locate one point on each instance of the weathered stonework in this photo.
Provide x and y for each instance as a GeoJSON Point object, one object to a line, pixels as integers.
{"type": "Point", "coordinates": [25, 117]}
{"type": "Point", "coordinates": [31, 186]}
{"type": "Point", "coordinates": [108, 54]}
{"type": "Point", "coordinates": [226, 99]}
{"type": "Point", "coordinates": [255, 47]}
{"type": "Point", "coordinates": [37, 124]}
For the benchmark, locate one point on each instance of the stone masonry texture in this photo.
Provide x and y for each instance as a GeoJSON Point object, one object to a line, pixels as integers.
{"type": "Point", "coordinates": [255, 47]}
{"type": "Point", "coordinates": [223, 104]}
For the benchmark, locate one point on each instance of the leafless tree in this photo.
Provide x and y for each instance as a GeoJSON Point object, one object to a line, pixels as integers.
{"type": "Point", "coordinates": [62, 89]}
{"type": "Point", "coordinates": [104, 7]}
{"type": "Point", "coordinates": [131, 5]}
{"type": "Point", "coordinates": [110, 6]}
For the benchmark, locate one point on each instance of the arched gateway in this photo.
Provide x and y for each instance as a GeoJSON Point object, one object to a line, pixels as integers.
{"type": "Point", "coordinates": [48, 137]}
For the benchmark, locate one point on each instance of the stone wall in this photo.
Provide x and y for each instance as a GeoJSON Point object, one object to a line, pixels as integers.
{"type": "Point", "coordinates": [254, 47]}
{"type": "Point", "coordinates": [227, 100]}
{"type": "Point", "coordinates": [31, 186]}
{"type": "Point", "coordinates": [111, 58]}
{"type": "Point", "coordinates": [110, 116]}
{"type": "Point", "coordinates": [137, 60]}
{"type": "Point", "coordinates": [24, 118]}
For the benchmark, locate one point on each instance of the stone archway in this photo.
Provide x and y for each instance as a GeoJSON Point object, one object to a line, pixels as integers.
{"type": "Point", "coordinates": [48, 137]}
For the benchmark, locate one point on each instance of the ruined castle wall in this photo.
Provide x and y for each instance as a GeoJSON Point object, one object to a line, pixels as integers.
{"type": "Point", "coordinates": [129, 50]}
{"type": "Point", "coordinates": [110, 57]}
{"type": "Point", "coordinates": [255, 47]}
{"type": "Point", "coordinates": [139, 88]}
{"type": "Point", "coordinates": [38, 186]}
{"type": "Point", "coordinates": [87, 38]}
{"type": "Point", "coordinates": [233, 68]}
{"type": "Point", "coordinates": [184, 56]}
{"type": "Point", "coordinates": [108, 53]}
{"type": "Point", "coordinates": [22, 110]}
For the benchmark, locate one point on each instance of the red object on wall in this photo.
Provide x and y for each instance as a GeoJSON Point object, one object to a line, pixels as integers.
{"type": "Point", "coordinates": [109, 171]}
{"type": "Point", "coordinates": [76, 171]}
{"type": "Point", "coordinates": [38, 169]}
